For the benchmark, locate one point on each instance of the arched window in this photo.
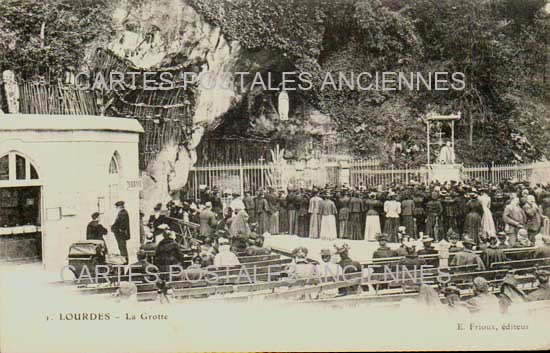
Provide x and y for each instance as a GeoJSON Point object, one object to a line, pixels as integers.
{"type": "Point", "coordinates": [15, 168]}
{"type": "Point", "coordinates": [114, 165]}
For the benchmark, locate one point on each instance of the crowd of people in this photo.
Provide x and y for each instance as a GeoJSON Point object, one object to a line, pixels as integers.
{"type": "Point", "coordinates": [476, 221]}
{"type": "Point", "coordinates": [475, 209]}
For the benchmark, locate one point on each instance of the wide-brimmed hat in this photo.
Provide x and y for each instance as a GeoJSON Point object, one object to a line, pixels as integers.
{"type": "Point", "coordinates": [468, 240]}
{"type": "Point", "coordinates": [119, 203]}
{"type": "Point", "coordinates": [325, 252]}
{"type": "Point", "coordinates": [208, 204]}
{"type": "Point", "coordinates": [427, 239]}
{"type": "Point", "coordinates": [382, 237]}
{"type": "Point", "coordinates": [163, 226]}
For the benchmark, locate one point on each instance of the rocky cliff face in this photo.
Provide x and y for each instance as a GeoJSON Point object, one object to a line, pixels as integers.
{"type": "Point", "coordinates": [167, 33]}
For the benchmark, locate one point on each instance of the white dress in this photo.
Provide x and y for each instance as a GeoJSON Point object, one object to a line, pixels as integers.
{"type": "Point", "coordinates": [487, 223]}
{"type": "Point", "coordinates": [328, 220]}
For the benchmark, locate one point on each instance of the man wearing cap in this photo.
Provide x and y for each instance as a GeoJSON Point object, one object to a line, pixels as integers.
{"type": "Point", "coordinates": [483, 301]}
{"type": "Point", "coordinates": [427, 247]}
{"type": "Point", "coordinates": [543, 291]}
{"type": "Point", "coordinates": [94, 230]}
{"type": "Point", "coordinates": [207, 221]}
{"type": "Point", "coordinates": [492, 253]}
{"type": "Point", "coordinates": [533, 215]}
{"type": "Point", "coordinates": [383, 250]}
{"type": "Point", "coordinates": [121, 229]}
{"type": "Point", "coordinates": [411, 261]}
{"type": "Point", "coordinates": [467, 256]}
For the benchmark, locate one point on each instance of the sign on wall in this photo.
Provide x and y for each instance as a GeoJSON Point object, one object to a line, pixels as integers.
{"type": "Point", "coordinates": [134, 184]}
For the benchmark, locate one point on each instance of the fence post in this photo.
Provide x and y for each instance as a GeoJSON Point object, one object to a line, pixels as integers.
{"type": "Point", "coordinates": [241, 176]}
{"type": "Point", "coordinates": [492, 172]}
{"type": "Point", "coordinates": [406, 173]}
{"type": "Point", "coordinates": [262, 172]}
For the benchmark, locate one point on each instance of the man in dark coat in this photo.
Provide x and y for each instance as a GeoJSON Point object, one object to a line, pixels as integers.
{"type": "Point", "coordinates": [433, 216]}
{"type": "Point", "coordinates": [348, 266]}
{"type": "Point", "coordinates": [121, 228]}
{"type": "Point", "coordinates": [293, 206]}
{"type": "Point", "coordinates": [262, 209]}
{"type": "Point", "coordinates": [543, 291]}
{"type": "Point", "coordinates": [249, 206]}
{"type": "Point", "coordinates": [168, 253]}
{"type": "Point", "coordinates": [258, 247]}
{"type": "Point", "coordinates": [411, 261]}
{"type": "Point", "coordinates": [142, 269]}
{"type": "Point", "coordinates": [207, 221]}
{"type": "Point", "coordinates": [419, 212]}
{"type": "Point", "coordinates": [156, 219]}
{"type": "Point", "coordinates": [467, 256]}
{"type": "Point", "coordinates": [383, 250]}
{"type": "Point", "coordinates": [217, 205]}
{"type": "Point", "coordinates": [94, 230]}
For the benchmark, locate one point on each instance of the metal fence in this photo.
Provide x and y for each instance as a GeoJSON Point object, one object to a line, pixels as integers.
{"type": "Point", "coordinates": [229, 178]}
{"type": "Point", "coordinates": [497, 173]}
{"type": "Point", "coordinates": [370, 173]}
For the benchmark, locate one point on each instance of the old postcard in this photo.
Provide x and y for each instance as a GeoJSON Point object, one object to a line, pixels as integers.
{"type": "Point", "coordinates": [274, 175]}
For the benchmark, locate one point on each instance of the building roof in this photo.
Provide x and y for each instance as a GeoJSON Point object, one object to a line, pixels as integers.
{"type": "Point", "coordinates": [12, 122]}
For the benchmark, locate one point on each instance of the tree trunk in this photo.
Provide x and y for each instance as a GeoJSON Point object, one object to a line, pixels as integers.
{"type": "Point", "coordinates": [471, 137]}
{"type": "Point", "coordinates": [42, 34]}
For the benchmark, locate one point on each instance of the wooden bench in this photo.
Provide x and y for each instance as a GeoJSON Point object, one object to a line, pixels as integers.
{"type": "Point", "coordinates": [519, 263]}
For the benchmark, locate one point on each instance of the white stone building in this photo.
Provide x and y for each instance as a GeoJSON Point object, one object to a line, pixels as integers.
{"type": "Point", "coordinates": [55, 171]}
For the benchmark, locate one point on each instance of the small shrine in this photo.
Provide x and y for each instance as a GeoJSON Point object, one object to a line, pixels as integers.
{"type": "Point", "coordinates": [444, 167]}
